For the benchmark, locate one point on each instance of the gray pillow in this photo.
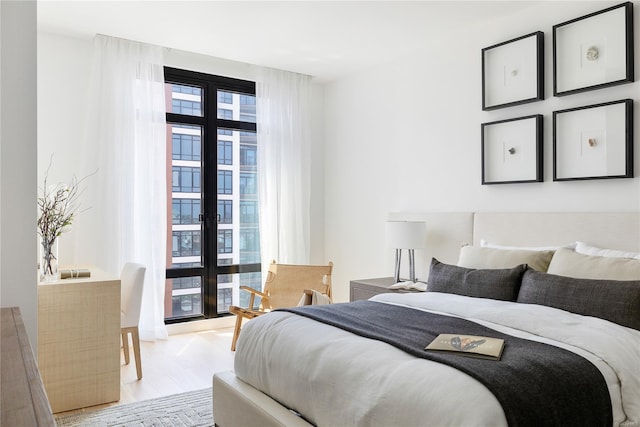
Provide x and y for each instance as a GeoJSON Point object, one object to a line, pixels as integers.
{"type": "Point", "coordinates": [615, 300]}
{"type": "Point", "coordinates": [500, 284]}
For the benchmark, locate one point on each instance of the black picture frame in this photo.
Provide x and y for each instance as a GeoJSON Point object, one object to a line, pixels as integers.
{"type": "Point", "coordinates": [593, 142]}
{"type": "Point", "coordinates": [581, 45]}
{"type": "Point", "coordinates": [512, 150]}
{"type": "Point", "coordinates": [513, 72]}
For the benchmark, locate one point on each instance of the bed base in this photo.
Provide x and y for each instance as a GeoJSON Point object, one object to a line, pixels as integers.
{"type": "Point", "coordinates": [237, 404]}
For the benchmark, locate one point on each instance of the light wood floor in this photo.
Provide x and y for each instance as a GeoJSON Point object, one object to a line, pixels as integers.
{"type": "Point", "coordinates": [181, 363]}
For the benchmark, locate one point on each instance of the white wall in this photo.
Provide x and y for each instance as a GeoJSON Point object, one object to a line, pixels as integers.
{"type": "Point", "coordinates": [405, 137]}
{"type": "Point", "coordinates": [18, 243]}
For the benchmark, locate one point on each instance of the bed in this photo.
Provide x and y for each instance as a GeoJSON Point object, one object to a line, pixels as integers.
{"type": "Point", "coordinates": [300, 368]}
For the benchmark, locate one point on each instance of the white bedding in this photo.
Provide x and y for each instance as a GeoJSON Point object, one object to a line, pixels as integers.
{"type": "Point", "coordinates": [335, 378]}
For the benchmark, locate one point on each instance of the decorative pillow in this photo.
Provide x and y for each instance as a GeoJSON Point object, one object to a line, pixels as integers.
{"type": "Point", "coordinates": [500, 284]}
{"type": "Point", "coordinates": [613, 300]}
{"type": "Point", "coordinates": [485, 244]}
{"type": "Point", "coordinates": [477, 257]}
{"type": "Point", "coordinates": [586, 249]}
{"type": "Point", "coordinates": [566, 262]}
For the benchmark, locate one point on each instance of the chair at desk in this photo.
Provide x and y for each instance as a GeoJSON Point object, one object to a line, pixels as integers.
{"type": "Point", "coordinates": [132, 282]}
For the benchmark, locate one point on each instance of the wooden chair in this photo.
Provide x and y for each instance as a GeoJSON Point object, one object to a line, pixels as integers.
{"type": "Point", "coordinates": [284, 287]}
{"type": "Point", "coordinates": [132, 283]}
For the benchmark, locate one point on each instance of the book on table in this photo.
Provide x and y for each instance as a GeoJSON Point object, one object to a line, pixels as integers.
{"type": "Point", "coordinates": [468, 345]}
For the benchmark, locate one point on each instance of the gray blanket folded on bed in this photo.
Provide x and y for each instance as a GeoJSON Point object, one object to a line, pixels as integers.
{"type": "Point", "coordinates": [537, 384]}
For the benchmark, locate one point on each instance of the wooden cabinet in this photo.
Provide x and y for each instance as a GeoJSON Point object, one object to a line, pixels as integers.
{"type": "Point", "coordinates": [366, 288]}
{"type": "Point", "coordinates": [24, 401]}
{"type": "Point", "coordinates": [79, 341]}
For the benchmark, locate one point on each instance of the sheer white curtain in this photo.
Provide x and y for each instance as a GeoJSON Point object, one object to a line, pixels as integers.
{"type": "Point", "coordinates": [127, 144]}
{"type": "Point", "coordinates": [282, 101]}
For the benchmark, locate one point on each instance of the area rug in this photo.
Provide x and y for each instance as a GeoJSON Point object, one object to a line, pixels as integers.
{"type": "Point", "coordinates": [190, 409]}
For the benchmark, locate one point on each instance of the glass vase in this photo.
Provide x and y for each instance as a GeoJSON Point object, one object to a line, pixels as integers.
{"type": "Point", "coordinates": [49, 261]}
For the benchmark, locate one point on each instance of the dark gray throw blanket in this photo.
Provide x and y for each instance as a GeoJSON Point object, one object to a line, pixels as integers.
{"type": "Point", "coordinates": [537, 384]}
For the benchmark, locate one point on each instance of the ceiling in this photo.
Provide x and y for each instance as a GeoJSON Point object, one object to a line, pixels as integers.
{"type": "Point", "coordinates": [324, 39]}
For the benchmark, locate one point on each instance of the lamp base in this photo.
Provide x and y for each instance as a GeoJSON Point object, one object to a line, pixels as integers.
{"type": "Point", "coordinates": [412, 267]}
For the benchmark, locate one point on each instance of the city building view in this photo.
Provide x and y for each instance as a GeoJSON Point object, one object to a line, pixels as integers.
{"type": "Point", "coordinates": [236, 195]}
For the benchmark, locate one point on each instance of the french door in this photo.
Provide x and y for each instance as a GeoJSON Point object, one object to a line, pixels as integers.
{"type": "Point", "coordinates": [213, 241]}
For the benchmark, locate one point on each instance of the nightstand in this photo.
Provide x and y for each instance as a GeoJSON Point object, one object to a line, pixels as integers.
{"type": "Point", "coordinates": [366, 288]}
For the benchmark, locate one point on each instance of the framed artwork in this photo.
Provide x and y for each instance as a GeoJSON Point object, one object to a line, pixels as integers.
{"type": "Point", "coordinates": [513, 72]}
{"type": "Point", "coordinates": [512, 150]}
{"type": "Point", "coordinates": [593, 51]}
{"type": "Point", "coordinates": [593, 142]}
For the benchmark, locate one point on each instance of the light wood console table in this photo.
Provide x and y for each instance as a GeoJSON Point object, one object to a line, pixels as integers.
{"type": "Point", "coordinates": [79, 341]}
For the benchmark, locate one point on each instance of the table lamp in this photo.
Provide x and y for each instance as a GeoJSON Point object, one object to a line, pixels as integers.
{"type": "Point", "coordinates": [406, 235]}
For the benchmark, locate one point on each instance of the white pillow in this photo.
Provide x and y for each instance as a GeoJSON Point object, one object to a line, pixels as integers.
{"type": "Point", "coordinates": [566, 262]}
{"type": "Point", "coordinates": [485, 244]}
{"type": "Point", "coordinates": [477, 257]}
{"type": "Point", "coordinates": [586, 249]}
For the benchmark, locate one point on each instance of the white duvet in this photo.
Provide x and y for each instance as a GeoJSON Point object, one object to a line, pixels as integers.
{"type": "Point", "coordinates": [335, 378]}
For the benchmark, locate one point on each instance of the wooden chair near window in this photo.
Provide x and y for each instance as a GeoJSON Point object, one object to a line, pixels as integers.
{"type": "Point", "coordinates": [284, 286]}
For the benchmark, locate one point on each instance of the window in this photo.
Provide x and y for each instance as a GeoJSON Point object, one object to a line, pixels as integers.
{"type": "Point", "coordinates": [225, 211]}
{"type": "Point", "coordinates": [225, 241]}
{"type": "Point", "coordinates": [248, 155]}
{"type": "Point", "coordinates": [182, 106]}
{"type": "Point", "coordinates": [249, 212]}
{"type": "Point", "coordinates": [248, 183]}
{"type": "Point", "coordinates": [185, 211]}
{"type": "Point", "coordinates": [225, 97]}
{"type": "Point", "coordinates": [215, 242]}
{"type": "Point", "coordinates": [185, 147]}
{"type": "Point", "coordinates": [225, 182]}
{"type": "Point", "coordinates": [186, 243]}
{"type": "Point", "coordinates": [225, 152]}
{"type": "Point", "coordinates": [186, 179]}
{"type": "Point", "coordinates": [248, 108]}
{"type": "Point", "coordinates": [223, 113]}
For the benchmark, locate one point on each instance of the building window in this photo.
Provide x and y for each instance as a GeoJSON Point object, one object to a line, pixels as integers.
{"type": "Point", "coordinates": [189, 108]}
{"type": "Point", "coordinates": [186, 243]}
{"type": "Point", "coordinates": [248, 155]}
{"type": "Point", "coordinates": [225, 152]}
{"type": "Point", "coordinates": [186, 179]}
{"type": "Point", "coordinates": [225, 211]}
{"type": "Point", "coordinates": [225, 241]}
{"type": "Point", "coordinates": [248, 183]}
{"type": "Point", "coordinates": [248, 108]}
{"type": "Point", "coordinates": [225, 182]}
{"type": "Point", "coordinates": [225, 97]}
{"type": "Point", "coordinates": [248, 212]}
{"type": "Point", "coordinates": [186, 305]}
{"type": "Point", "coordinates": [225, 298]}
{"type": "Point", "coordinates": [185, 211]}
{"type": "Point", "coordinates": [190, 90]}
{"type": "Point", "coordinates": [186, 147]}
{"type": "Point", "coordinates": [187, 283]}
{"type": "Point", "coordinates": [224, 113]}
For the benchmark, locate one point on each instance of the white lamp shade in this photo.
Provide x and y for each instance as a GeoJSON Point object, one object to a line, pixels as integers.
{"type": "Point", "coordinates": [406, 234]}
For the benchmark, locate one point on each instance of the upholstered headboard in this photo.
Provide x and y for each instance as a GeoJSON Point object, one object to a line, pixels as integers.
{"type": "Point", "coordinates": [609, 230]}
{"type": "Point", "coordinates": [448, 231]}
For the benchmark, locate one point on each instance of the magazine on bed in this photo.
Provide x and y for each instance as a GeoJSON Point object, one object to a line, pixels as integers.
{"type": "Point", "coordinates": [468, 345]}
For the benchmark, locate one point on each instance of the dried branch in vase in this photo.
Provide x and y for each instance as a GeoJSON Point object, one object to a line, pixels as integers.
{"type": "Point", "coordinates": [58, 205]}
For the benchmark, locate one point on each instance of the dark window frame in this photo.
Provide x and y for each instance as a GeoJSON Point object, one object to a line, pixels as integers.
{"type": "Point", "coordinates": [212, 126]}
